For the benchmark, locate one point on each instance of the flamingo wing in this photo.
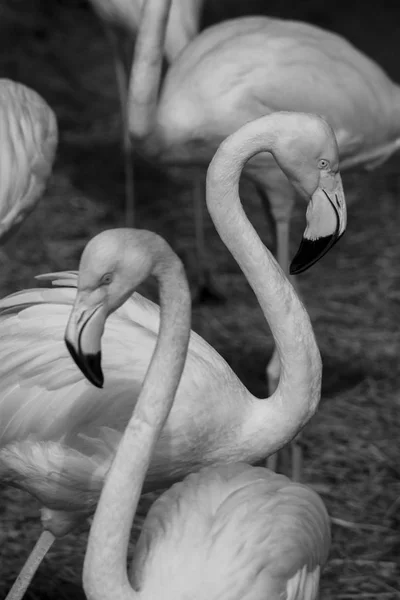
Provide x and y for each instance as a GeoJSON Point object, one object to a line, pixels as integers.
{"type": "Point", "coordinates": [234, 531]}
{"type": "Point", "coordinates": [58, 434]}
{"type": "Point", "coordinates": [43, 393]}
{"type": "Point", "coordinates": [51, 415]}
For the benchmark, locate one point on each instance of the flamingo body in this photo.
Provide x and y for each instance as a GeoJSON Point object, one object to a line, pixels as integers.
{"type": "Point", "coordinates": [28, 146]}
{"type": "Point", "coordinates": [233, 531]}
{"type": "Point", "coordinates": [266, 65]}
{"type": "Point", "coordinates": [48, 403]}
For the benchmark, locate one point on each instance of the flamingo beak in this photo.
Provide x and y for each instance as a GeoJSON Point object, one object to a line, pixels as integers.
{"type": "Point", "coordinates": [326, 222]}
{"type": "Point", "coordinates": [83, 339]}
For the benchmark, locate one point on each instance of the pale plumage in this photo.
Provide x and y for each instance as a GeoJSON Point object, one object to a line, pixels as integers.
{"type": "Point", "coordinates": [46, 397]}
{"type": "Point", "coordinates": [233, 531]}
{"type": "Point", "coordinates": [28, 145]}
{"type": "Point", "coordinates": [271, 64]}
{"type": "Point", "coordinates": [46, 402]}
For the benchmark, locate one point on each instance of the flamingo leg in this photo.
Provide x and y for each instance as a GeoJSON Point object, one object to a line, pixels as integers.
{"type": "Point", "coordinates": [207, 290]}
{"type": "Point", "coordinates": [30, 567]}
{"type": "Point", "coordinates": [122, 85]}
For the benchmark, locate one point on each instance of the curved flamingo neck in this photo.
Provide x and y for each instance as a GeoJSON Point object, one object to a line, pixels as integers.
{"type": "Point", "coordinates": [183, 26]}
{"type": "Point", "coordinates": [145, 76]}
{"type": "Point", "coordinates": [105, 572]}
{"type": "Point", "coordinates": [298, 391]}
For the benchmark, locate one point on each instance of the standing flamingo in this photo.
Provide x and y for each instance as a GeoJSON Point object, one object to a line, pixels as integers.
{"type": "Point", "coordinates": [241, 69]}
{"type": "Point", "coordinates": [229, 531]}
{"type": "Point", "coordinates": [183, 26]}
{"type": "Point", "coordinates": [58, 433]}
{"type": "Point", "coordinates": [28, 146]}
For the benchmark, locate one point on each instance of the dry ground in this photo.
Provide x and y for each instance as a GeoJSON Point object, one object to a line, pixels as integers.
{"type": "Point", "coordinates": [353, 294]}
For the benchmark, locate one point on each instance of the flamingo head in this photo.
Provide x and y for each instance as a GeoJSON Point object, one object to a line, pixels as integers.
{"type": "Point", "coordinates": [112, 265]}
{"type": "Point", "coordinates": [308, 153]}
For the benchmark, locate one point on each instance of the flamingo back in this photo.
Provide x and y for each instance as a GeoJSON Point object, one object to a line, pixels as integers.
{"type": "Point", "coordinates": [233, 531]}
{"type": "Point", "coordinates": [265, 65]}
{"type": "Point", "coordinates": [44, 394]}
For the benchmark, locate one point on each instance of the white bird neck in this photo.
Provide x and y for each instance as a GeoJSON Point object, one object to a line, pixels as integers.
{"type": "Point", "coordinates": [183, 26]}
{"type": "Point", "coordinates": [298, 393]}
{"type": "Point", "coordinates": [105, 571]}
{"type": "Point", "coordinates": [145, 75]}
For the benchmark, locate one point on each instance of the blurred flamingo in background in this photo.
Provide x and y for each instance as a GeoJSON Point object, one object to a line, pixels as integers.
{"type": "Point", "coordinates": [241, 69]}
{"type": "Point", "coordinates": [229, 531]}
{"type": "Point", "coordinates": [28, 147]}
{"type": "Point", "coordinates": [176, 127]}
{"type": "Point", "coordinates": [116, 15]}
{"type": "Point", "coordinates": [58, 433]}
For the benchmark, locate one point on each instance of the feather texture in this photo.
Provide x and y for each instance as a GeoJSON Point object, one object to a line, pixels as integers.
{"type": "Point", "coordinates": [46, 401]}
{"type": "Point", "coordinates": [233, 531]}
{"type": "Point", "coordinates": [28, 145]}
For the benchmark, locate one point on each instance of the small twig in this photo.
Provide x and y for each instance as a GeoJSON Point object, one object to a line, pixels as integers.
{"type": "Point", "coordinates": [362, 562]}
{"type": "Point", "coordinates": [390, 588]}
{"type": "Point", "coordinates": [351, 525]}
{"type": "Point", "coordinates": [363, 596]}
{"type": "Point", "coordinates": [392, 509]}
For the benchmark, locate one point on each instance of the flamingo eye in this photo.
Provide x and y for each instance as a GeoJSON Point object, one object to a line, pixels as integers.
{"type": "Point", "coordinates": [106, 279]}
{"type": "Point", "coordinates": [323, 164]}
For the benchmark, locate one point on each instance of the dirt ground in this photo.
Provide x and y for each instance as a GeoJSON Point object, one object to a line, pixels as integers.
{"type": "Point", "coordinates": [353, 295]}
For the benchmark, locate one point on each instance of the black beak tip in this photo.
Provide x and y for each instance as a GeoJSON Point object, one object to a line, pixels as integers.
{"type": "Point", "coordinates": [310, 251]}
{"type": "Point", "coordinates": [89, 364]}
{"type": "Point", "coordinates": [94, 372]}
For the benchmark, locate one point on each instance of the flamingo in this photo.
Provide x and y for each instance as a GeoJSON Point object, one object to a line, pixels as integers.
{"type": "Point", "coordinates": [58, 433]}
{"type": "Point", "coordinates": [28, 147]}
{"type": "Point", "coordinates": [246, 67]}
{"type": "Point", "coordinates": [229, 531]}
{"type": "Point", "coordinates": [183, 26]}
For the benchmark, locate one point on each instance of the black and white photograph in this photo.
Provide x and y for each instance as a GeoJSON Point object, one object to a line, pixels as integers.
{"type": "Point", "coordinates": [199, 300]}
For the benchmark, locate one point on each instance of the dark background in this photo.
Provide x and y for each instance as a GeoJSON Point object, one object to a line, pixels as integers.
{"type": "Point", "coordinates": [353, 295]}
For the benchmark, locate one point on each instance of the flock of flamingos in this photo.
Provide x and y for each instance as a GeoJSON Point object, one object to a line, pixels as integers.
{"type": "Point", "coordinates": [104, 394]}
